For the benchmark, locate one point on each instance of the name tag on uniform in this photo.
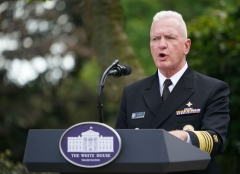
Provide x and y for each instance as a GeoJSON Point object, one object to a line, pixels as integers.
{"type": "Point", "coordinates": [137, 115]}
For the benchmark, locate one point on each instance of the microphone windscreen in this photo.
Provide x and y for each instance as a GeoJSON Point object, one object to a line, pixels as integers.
{"type": "Point", "coordinates": [128, 70]}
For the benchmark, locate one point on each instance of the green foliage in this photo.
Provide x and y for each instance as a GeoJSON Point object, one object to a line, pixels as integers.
{"type": "Point", "coordinates": [8, 167]}
{"type": "Point", "coordinates": [138, 18]}
{"type": "Point", "coordinates": [90, 74]}
{"type": "Point", "coordinates": [42, 104]}
{"type": "Point", "coordinates": [37, 0]}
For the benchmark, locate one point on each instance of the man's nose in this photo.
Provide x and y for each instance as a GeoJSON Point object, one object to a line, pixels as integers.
{"type": "Point", "coordinates": [162, 43]}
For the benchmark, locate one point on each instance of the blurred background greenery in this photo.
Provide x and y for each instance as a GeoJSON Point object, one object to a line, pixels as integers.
{"type": "Point", "coordinates": [53, 53]}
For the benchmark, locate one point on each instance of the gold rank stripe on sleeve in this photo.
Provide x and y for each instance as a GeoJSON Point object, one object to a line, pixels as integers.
{"type": "Point", "coordinates": [209, 142]}
{"type": "Point", "coordinates": [205, 141]}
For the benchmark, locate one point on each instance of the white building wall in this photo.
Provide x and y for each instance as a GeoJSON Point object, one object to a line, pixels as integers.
{"type": "Point", "coordinates": [75, 144]}
{"type": "Point", "coordinates": [90, 143]}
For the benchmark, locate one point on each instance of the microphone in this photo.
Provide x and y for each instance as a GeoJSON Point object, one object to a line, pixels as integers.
{"type": "Point", "coordinates": [120, 70]}
{"type": "Point", "coordinates": [115, 70]}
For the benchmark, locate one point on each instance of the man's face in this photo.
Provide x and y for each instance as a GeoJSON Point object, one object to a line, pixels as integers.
{"type": "Point", "coordinates": [168, 46]}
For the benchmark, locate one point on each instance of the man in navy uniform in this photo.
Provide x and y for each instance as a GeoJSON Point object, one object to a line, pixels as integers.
{"type": "Point", "coordinates": [191, 106]}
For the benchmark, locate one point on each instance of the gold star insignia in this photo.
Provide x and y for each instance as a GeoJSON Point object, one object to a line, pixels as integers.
{"type": "Point", "coordinates": [189, 104]}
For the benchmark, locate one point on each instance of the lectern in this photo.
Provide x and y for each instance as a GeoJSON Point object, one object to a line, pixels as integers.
{"type": "Point", "coordinates": [143, 151]}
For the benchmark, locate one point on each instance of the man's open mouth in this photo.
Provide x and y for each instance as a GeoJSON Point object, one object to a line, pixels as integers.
{"type": "Point", "coordinates": [162, 55]}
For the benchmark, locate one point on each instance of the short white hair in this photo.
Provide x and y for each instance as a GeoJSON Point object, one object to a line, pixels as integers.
{"type": "Point", "coordinates": [171, 14]}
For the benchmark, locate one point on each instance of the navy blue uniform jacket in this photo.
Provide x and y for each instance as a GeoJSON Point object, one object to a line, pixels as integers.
{"type": "Point", "coordinates": [209, 95]}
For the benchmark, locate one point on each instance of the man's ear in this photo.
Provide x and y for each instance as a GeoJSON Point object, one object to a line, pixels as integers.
{"type": "Point", "coordinates": [187, 46]}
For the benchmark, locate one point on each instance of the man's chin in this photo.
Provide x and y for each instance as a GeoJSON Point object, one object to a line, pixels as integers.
{"type": "Point", "coordinates": [163, 66]}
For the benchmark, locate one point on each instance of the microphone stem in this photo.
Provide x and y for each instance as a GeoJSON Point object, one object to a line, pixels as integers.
{"type": "Point", "coordinates": [100, 88]}
{"type": "Point", "coordinates": [100, 105]}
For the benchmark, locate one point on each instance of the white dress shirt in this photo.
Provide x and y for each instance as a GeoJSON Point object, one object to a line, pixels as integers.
{"type": "Point", "coordinates": [174, 78]}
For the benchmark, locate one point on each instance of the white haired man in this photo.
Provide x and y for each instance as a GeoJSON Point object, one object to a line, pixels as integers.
{"type": "Point", "coordinates": [191, 106]}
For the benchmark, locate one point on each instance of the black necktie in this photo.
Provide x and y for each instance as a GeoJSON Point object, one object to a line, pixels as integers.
{"type": "Point", "coordinates": [166, 91]}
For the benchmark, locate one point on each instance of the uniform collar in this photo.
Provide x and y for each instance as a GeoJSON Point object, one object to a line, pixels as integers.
{"type": "Point", "coordinates": [175, 78]}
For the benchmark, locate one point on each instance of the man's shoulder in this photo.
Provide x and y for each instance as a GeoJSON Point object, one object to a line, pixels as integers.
{"type": "Point", "coordinates": [201, 76]}
{"type": "Point", "coordinates": [207, 80]}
